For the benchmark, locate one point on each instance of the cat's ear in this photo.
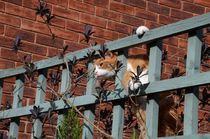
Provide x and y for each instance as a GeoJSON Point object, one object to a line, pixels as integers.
{"type": "Point", "coordinates": [109, 54]}
{"type": "Point", "coordinates": [115, 53]}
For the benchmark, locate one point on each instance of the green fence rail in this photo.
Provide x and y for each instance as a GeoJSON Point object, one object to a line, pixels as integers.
{"type": "Point", "coordinates": [154, 37]}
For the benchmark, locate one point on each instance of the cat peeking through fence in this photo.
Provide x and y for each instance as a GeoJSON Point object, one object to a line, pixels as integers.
{"type": "Point", "coordinates": [136, 76]}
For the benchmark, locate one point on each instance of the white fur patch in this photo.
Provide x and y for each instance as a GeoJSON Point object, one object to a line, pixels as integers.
{"type": "Point", "coordinates": [143, 79]}
{"type": "Point", "coordinates": [102, 73]}
{"type": "Point", "coordinates": [141, 30]}
{"type": "Point", "coordinates": [129, 67]}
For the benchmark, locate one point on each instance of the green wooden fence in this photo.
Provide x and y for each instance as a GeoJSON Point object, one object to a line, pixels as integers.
{"type": "Point", "coordinates": [192, 79]}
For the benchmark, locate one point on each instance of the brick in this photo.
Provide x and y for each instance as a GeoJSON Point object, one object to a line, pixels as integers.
{"type": "Point", "coordinates": [6, 98]}
{"type": "Point", "coordinates": [166, 20]}
{"type": "Point", "coordinates": [119, 7]}
{"type": "Point", "coordinates": [32, 4]}
{"type": "Point", "coordinates": [146, 15]}
{"type": "Point", "coordinates": [80, 6]}
{"type": "Point", "coordinates": [48, 129]}
{"type": "Point", "coordinates": [74, 46]}
{"type": "Point", "coordinates": [99, 3]}
{"type": "Point", "coordinates": [20, 11]}
{"type": "Point", "coordinates": [171, 41]}
{"type": "Point", "coordinates": [121, 35]}
{"type": "Point", "coordinates": [1, 29]}
{"type": "Point", "coordinates": [10, 20]}
{"type": "Point", "coordinates": [59, 22]}
{"type": "Point", "coordinates": [180, 14]}
{"type": "Point", "coordinates": [34, 48]}
{"type": "Point", "coordinates": [193, 8]}
{"type": "Point", "coordinates": [2, 6]}
{"type": "Point", "coordinates": [63, 3]}
{"type": "Point", "coordinates": [35, 26]}
{"type": "Point", "coordinates": [182, 43]}
{"type": "Point", "coordinates": [107, 14]}
{"type": "Point", "coordinates": [37, 57]}
{"type": "Point", "coordinates": [132, 20]}
{"type": "Point", "coordinates": [8, 87]}
{"type": "Point", "coordinates": [24, 136]}
{"type": "Point", "coordinates": [110, 35]}
{"type": "Point", "coordinates": [136, 3]}
{"type": "Point", "coordinates": [156, 1]}
{"type": "Point", "coordinates": [203, 2]}
{"type": "Point", "coordinates": [11, 55]}
{"type": "Point", "coordinates": [171, 3]}
{"type": "Point", "coordinates": [152, 25]}
{"type": "Point", "coordinates": [47, 40]}
{"type": "Point", "coordinates": [5, 64]}
{"type": "Point", "coordinates": [6, 42]}
{"type": "Point", "coordinates": [153, 7]}
{"type": "Point", "coordinates": [119, 27]}
{"type": "Point", "coordinates": [65, 34]}
{"type": "Point", "coordinates": [93, 20]}
{"type": "Point", "coordinates": [17, 2]}
{"type": "Point", "coordinates": [53, 52]}
{"type": "Point", "coordinates": [70, 14]}
{"type": "Point", "coordinates": [29, 92]}
{"type": "Point", "coordinates": [24, 35]}
{"type": "Point", "coordinates": [75, 26]}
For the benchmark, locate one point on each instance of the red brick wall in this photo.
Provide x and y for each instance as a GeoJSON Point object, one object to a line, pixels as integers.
{"type": "Point", "coordinates": [111, 20]}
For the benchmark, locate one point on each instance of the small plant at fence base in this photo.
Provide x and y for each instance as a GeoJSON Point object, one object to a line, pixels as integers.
{"type": "Point", "coordinates": [70, 127]}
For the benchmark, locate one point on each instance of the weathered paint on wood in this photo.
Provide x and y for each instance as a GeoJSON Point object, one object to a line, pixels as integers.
{"type": "Point", "coordinates": [40, 98]}
{"type": "Point", "coordinates": [198, 136]}
{"type": "Point", "coordinates": [65, 86]}
{"type": "Point", "coordinates": [152, 108]}
{"type": "Point", "coordinates": [127, 42]}
{"type": "Point", "coordinates": [191, 98]}
{"type": "Point", "coordinates": [17, 102]}
{"type": "Point", "coordinates": [118, 106]}
{"type": "Point", "coordinates": [153, 87]}
{"type": "Point", "coordinates": [89, 112]}
{"type": "Point", "coordinates": [1, 89]}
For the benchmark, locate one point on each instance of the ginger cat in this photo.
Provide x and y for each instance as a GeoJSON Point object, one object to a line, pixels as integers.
{"type": "Point", "coordinates": [105, 69]}
{"type": "Point", "coordinates": [132, 81]}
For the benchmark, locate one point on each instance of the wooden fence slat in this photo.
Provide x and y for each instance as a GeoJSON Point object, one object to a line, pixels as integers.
{"type": "Point", "coordinates": [89, 112]}
{"type": "Point", "coordinates": [1, 90]}
{"type": "Point", "coordinates": [40, 98]}
{"type": "Point", "coordinates": [65, 85]}
{"type": "Point", "coordinates": [198, 136]}
{"type": "Point", "coordinates": [17, 102]}
{"type": "Point", "coordinates": [127, 42]}
{"type": "Point", "coordinates": [153, 87]}
{"type": "Point", "coordinates": [152, 108]}
{"type": "Point", "coordinates": [191, 98]}
{"type": "Point", "coordinates": [118, 106]}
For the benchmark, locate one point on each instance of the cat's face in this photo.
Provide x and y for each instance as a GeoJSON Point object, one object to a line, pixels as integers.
{"type": "Point", "coordinates": [104, 68]}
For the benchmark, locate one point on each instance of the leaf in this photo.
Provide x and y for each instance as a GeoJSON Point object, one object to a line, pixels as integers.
{"type": "Point", "coordinates": [17, 44]}
{"type": "Point", "coordinates": [134, 136]}
{"type": "Point", "coordinates": [119, 66]}
{"type": "Point", "coordinates": [73, 61]}
{"type": "Point", "coordinates": [36, 112]}
{"type": "Point", "coordinates": [175, 73]}
{"type": "Point", "coordinates": [139, 70]}
{"type": "Point", "coordinates": [49, 17]}
{"type": "Point", "coordinates": [42, 9]}
{"type": "Point", "coordinates": [90, 55]}
{"type": "Point", "coordinates": [164, 54]}
{"type": "Point", "coordinates": [87, 32]}
{"type": "Point", "coordinates": [103, 50]}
